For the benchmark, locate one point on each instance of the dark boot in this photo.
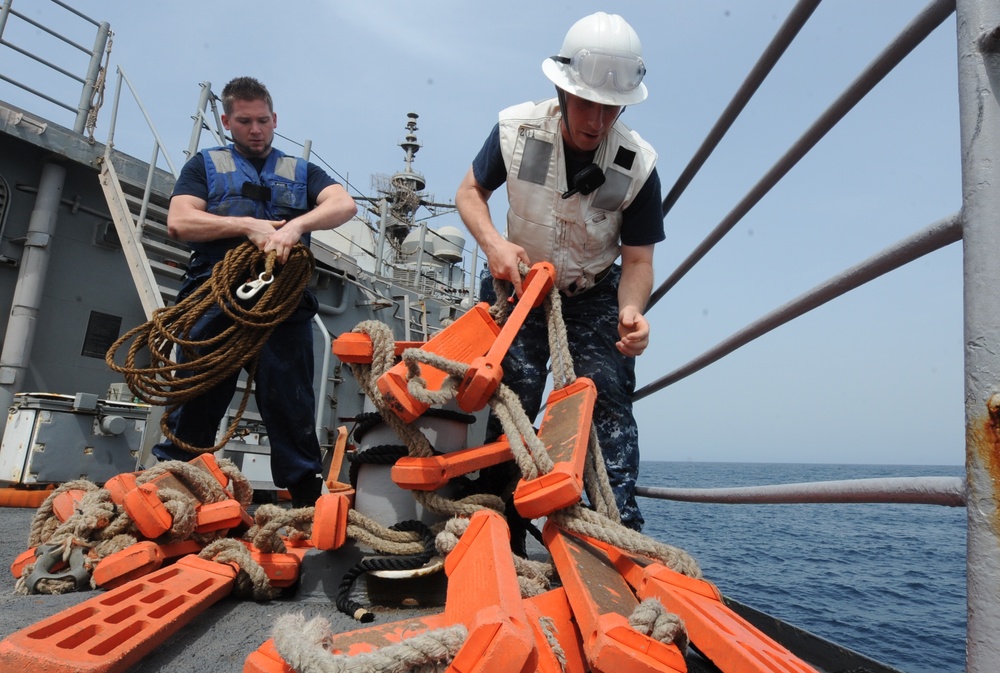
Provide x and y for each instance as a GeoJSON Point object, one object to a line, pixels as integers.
{"type": "Point", "coordinates": [306, 492]}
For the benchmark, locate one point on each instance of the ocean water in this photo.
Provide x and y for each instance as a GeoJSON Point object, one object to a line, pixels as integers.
{"type": "Point", "coordinates": [884, 580]}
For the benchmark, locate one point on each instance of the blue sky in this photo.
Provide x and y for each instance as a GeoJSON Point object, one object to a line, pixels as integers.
{"type": "Point", "coordinates": [874, 377]}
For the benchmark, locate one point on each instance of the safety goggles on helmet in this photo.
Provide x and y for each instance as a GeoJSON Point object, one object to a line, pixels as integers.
{"type": "Point", "coordinates": [593, 68]}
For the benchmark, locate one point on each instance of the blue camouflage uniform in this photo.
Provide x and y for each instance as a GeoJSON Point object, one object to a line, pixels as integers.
{"type": "Point", "coordinates": [591, 318]}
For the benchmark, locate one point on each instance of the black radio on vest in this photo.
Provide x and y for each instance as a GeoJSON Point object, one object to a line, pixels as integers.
{"type": "Point", "coordinates": [587, 180]}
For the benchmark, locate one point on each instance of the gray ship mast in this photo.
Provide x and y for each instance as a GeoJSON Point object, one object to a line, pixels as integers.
{"type": "Point", "coordinates": [399, 198]}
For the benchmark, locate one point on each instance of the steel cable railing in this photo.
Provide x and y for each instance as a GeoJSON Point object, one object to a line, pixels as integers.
{"type": "Point", "coordinates": [913, 34]}
{"type": "Point", "coordinates": [772, 53]}
{"type": "Point", "coordinates": [935, 236]}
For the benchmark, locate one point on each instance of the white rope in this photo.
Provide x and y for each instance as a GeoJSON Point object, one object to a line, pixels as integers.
{"type": "Point", "coordinates": [300, 644]}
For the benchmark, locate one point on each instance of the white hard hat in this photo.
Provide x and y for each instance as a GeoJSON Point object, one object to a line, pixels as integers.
{"type": "Point", "coordinates": [601, 61]}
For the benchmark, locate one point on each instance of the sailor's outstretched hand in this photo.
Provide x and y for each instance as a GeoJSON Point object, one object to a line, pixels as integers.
{"type": "Point", "coordinates": [633, 330]}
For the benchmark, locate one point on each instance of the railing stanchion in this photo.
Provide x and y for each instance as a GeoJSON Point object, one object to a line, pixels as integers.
{"type": "Point", "coordinates": [978, 25]}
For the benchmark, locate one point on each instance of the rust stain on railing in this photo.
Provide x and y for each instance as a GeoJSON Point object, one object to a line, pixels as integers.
{"type": "Point", "coordinates": [984, 447]}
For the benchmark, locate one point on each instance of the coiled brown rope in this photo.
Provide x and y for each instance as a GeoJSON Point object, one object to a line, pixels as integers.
{"type": "Point", "coordinates": [208, 362]}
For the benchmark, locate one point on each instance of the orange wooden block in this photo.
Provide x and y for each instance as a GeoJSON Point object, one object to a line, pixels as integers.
{"type": "Point", "coordinates": [356, 348]}
{"type": "Point", "coordinates": [465, 339]}
{"type": "Point", "coordinates": [64, 505]}
{"type": "Point", "coordinates": [432, 472]}
{"type": "Point", "coordinates": [282, 569]}
{"type": "Point", "coordinates": [602, 603]}
{"type": "Point", "coordinates": [265, 659]}
{"type": "Point", "coordinates": [724, 637]}
{"type": "Point", "coordinates": [23, 559]}
{"type": "Point", "coordinates": [121, 485]}
{"type": "Point", "coordinates": [329, 529]}
{"type": "Point", "coordinates": [173, 550]}
{"type": "Point", "coordinates": [483, 594]}
{"type": "Point", "coordinates": [147, 512]}
{"type": "Point", "coordinates": [221, 515]}
{"type": "Point", "coordinates": [128, 564]}
{"type": "Point", "coordinates": [112, 631]}
{"type": "Point", "coordinates": [565, 432]}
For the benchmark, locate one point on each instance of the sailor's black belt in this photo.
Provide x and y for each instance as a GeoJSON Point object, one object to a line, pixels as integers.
{"type": "Point", "coordinates": [598, 277]}
{"type": "Point", "coordinates": [601, 275]}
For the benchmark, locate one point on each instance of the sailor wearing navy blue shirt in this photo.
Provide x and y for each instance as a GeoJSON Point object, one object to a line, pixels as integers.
{"type": "Point", "coordinates": [224, 197]}
{"type": "Point", "coordinates": [583, 193]}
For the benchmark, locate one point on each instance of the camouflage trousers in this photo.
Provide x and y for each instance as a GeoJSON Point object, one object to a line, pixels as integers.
{"type": "Point", "coordinates": [592, 329]}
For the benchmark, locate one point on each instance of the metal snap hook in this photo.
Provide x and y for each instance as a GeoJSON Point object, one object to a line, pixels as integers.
{"type": "Point", "coordinates": [250, 289]}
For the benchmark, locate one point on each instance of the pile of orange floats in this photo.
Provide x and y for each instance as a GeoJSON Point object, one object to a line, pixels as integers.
{"type": "Point", "coordinates": [582, 625]}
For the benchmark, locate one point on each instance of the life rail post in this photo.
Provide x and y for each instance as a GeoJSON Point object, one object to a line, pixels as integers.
{"type": "Point", "coordinates": [978, 27]}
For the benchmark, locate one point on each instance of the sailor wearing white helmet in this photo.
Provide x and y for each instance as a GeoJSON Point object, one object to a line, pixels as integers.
{"type": "Point", "coordinates": [583, 193]}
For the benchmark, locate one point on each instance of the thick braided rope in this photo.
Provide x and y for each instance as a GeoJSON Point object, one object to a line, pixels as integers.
{"type": "Point", "coordinates": [251, 580]}
{"type": "Point", "coordinates": [270, 520]}
{"type": "Point", "coordinates": [104, 528]}
{"type": "Point", "coordinates": [466, 506]}
{"type": "Point", "coordinates": [652, 619]}
{"type": "Point", "coordinates": [44, 522]}
{"type": "Point", "coordinates": [384, 540]}
{"type": "Point", "coordinates": [300, 644]}
{"type": "Point", "coordinates": [548, 626]}
{"type": "Point", "coordinates": [596, 481]}
{"type": "Point", "coordinates": [563, 372]}
{"type": "Point", "coordinates": [579, 519]}
{"type": "Point", "coordinates": [183, 514]}
{"type": "Point", "coordinates": [206, 363]}
{"type": "Point", "coordinates": [96, 519]}
{"type": "Point", "coordinates": [90, 521]}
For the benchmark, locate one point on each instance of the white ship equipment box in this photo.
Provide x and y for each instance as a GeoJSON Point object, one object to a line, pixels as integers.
{"type": "Point", "coordinates": [54, 438]}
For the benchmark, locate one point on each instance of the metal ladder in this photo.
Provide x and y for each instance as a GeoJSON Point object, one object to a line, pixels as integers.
{"type": "Point", "coordinates": [156, 262]}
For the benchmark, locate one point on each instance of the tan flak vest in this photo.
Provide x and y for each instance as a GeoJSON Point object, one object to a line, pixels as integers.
{"type": "Point", "coordinates": [578, 235]}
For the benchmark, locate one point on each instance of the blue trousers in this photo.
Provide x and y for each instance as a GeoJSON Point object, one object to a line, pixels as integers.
{"type": "Point", "coordinates": [283, 390]}
{"type": "Point", "coordinates": [592, 330]}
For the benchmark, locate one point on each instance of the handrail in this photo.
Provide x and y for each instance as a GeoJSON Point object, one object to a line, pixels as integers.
{"type": "Point", "coordinates": [947, 491]}
{"type": "Point", "coordinates": [937, 235]}
{"type": "Point", "coordinates": [912, 35]}
{"type": "Point", "coordinates": [122, 77]}
{"type": "Point", "coordinates": [786, 33]}
{"type": "Point", "coordinates": [978, 39]}
{"type": "Point", "coordinates": [91, 79]}
{"type": "Point", "coordinates": [327, 354]}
